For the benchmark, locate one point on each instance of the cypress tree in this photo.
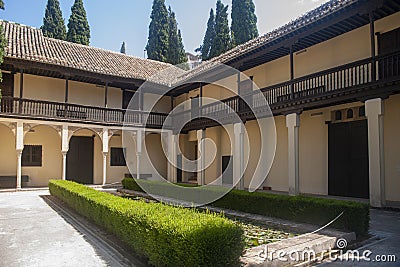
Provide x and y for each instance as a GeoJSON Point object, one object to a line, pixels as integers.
{"type": "Point", "coordinates": [176, 50]}
{"type": "Point", "coordinates": [78, 26]}
{"type": "Point", "coordinates": [157, 45]}
{"type": "Point", "coordinates": [53, 22]}
{"type": "Point", "coordinates": [222, 41]}
{"type": "Point", "coordinates": [123, 48]}
{"type": "Point", "coordinates": [209, 37]}
{"type": "Point", "coordinates": [244, 21]}
{"type": "Point", "coordinates": [1, 4]}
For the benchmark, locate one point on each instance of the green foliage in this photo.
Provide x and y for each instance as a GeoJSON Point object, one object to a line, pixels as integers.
{"type": "Point", "coordinates": [53, 21]}
{"type": "Point", "coordinates": [123, 48]}
{"type": "Point", "coordinates": [222, 41]}
{"type": "Point", "coordinates": [167, 236]}
{"type": "Point", "coordinates": [176, 51]}
{"type": "Point", "coordinates": [208, 38]}
{"type": "Point", "coordinates": [312, 210]}
{"type": "Point", "coordinates": [304, 209]}
{"type": "Point", "coordinates": [244, 21]}
{"type": "Point", "coordinates": [1, 4]}
{"type": "Point", "coordinates": [78, 25]}
{"type": "Point", "coordinates": [158, 41]}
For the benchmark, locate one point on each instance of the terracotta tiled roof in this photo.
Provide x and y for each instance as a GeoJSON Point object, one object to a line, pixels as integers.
{"type": "Point", "coordinates": [28, 43]}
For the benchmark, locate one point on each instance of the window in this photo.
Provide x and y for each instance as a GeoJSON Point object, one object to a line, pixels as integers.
{"type": "Point", "coordinates": [32, 156]}
{"type": "Point", "coordinates": [118, 157]}
{"type": "Point", "coordinates": [338, 115]}
{"type": "Point", "coordinates": [350, 114]}
{"type": "Point", "coordinates": [361, 112]}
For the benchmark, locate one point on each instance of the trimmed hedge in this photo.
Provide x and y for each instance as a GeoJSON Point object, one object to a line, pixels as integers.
{"type": "Point", "coordinates": [167, 236]}
{"type": "Point", "coordinates": [318, 211]}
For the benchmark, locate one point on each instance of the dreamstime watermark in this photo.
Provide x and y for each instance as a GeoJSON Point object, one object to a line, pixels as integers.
{"type": "Point", "coordinates": [338, 254]}
{"type": "Point", "coordinates": [223, 113]}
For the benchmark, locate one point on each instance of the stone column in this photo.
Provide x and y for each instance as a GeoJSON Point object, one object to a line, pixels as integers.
{"type": "Point", "coordinates": [64, 166]}
{"type": "Point", "coordinates": [374, 111]}
{"type": "Point", "coordinates": [201, 135]}
{"type": "Point", "coordinates": [105, 139]}
{"type": "Point", "coordinates": [238, 155]}
{"type": "Point", "coordinates": [293, 124]}
{"type": "Point", "coordinates": [172, 155]}
{"type": "Point", "coordinates": [64, 150]}
{"type": "Point", "coordinates": [19, 147]}
{"type": "Point", "coordinates": [139, 143]}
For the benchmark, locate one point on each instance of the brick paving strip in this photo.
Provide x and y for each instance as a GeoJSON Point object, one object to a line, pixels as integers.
{"type": "Point", "coordinates": [322, 241]}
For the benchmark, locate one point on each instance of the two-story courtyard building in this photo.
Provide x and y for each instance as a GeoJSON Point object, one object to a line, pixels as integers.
{"type": "Point", "coordinates": [330, 77]}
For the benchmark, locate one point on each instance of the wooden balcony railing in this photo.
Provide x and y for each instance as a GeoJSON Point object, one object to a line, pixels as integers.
{"type": "Point", "coordinates": [363, 74]}
{"type": "Point", "coordinates": [360, 74]}
{"type": "Point", "coordinates": [79, 113]}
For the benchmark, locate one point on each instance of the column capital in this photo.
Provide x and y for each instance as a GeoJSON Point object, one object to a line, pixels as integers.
{"type": "Point", "coordinates": [292, 120]}
{"type": "Point", "coordinates": [374, 107]}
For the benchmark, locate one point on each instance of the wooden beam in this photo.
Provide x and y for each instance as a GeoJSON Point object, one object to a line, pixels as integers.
{"type": "Point", "coordinates": [372, 39]}
{"type": "Point", "coordinates": [66, 89]}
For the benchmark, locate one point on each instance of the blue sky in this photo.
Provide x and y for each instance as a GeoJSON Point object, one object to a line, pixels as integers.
{"type": "Point", "coordinates": [113, 22]}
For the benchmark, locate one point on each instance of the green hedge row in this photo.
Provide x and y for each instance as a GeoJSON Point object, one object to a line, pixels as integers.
{"type": "Point", "coordinates": [167, 236]}
{"type": "Point", "coordinates": [318, 211]}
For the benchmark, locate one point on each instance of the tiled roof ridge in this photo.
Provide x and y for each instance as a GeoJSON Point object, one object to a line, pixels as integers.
{"type": "Point", "coordinates": [39, 31]}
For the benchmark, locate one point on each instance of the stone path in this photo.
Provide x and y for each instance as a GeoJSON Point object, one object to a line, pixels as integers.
{"type": "Point", "coordinates": [36, 231]}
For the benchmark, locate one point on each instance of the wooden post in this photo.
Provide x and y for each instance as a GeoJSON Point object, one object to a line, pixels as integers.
{"type": "Point", "coordinates": [373, 48]}
{"type": "Point", "coordinates": [201, 100]}
{"type": "Point", "coordinates": [66, 97]}
{"type": "Point", "coordinates": [291, 72]}
{"type": "Point", "coordinates": [106, 96]}
{"type": "Point", "coordinates": [105, 101]}
{"type": "Point", "coordinates": [21, 90]}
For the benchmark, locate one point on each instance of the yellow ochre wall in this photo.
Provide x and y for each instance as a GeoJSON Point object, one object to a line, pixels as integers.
{"type": "Point", "coordinates": [392, 147]}
{"type": "Point", "coordinates": [52, 89]}
{"type": "Point", "coordinates": [8, 154]}
{"type": "Point", "coordinates": [51, 168]}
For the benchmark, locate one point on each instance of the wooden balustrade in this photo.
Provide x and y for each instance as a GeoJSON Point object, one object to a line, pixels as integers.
{"type": "Point", "coordinates": [353, 75]}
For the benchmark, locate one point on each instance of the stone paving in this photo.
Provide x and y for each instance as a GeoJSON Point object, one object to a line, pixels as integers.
{"type": "Point", "coordinates": [34, 231]}
{"type": "Point", "coordinates": [386, 226]}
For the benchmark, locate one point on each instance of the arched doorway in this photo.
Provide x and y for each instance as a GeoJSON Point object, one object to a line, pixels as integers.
{"type": "Point", "coordinates": [43, 144]}
{"type": "Point", "coordinates": [84, 157]}
{"type": "Point", "coordinates": [8, 158]}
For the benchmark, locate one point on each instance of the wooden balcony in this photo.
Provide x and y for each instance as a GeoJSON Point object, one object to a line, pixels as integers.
{"type": "Point", "coordinates": [357, 81]}
{"type": "Point", "coordinates": [54, 111]}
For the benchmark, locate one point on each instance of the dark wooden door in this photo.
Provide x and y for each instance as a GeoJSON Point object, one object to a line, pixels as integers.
{"type": "Point", "coordinates": [80, 160]}
{"type": "Point", "coordinates": [348, 159]}
{"type": "Point", "coordinates": [227, 170]}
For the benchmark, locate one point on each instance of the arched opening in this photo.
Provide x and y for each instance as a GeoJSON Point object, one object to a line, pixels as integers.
{"type": "Point", "coordinates": [156, 155]}
{"type": "Point", "coordinates": [42, 158]}
{"type": "Point", "coordinates": [350, 114]}
{"type": "Point", "coordinates": [8, 158]}
{"type": "Point", "coordinates": [338, 115]}
{"type": "Point", "coordinates": [116, 162]}
{"type": "Point", "coordinates": [85, 157]}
